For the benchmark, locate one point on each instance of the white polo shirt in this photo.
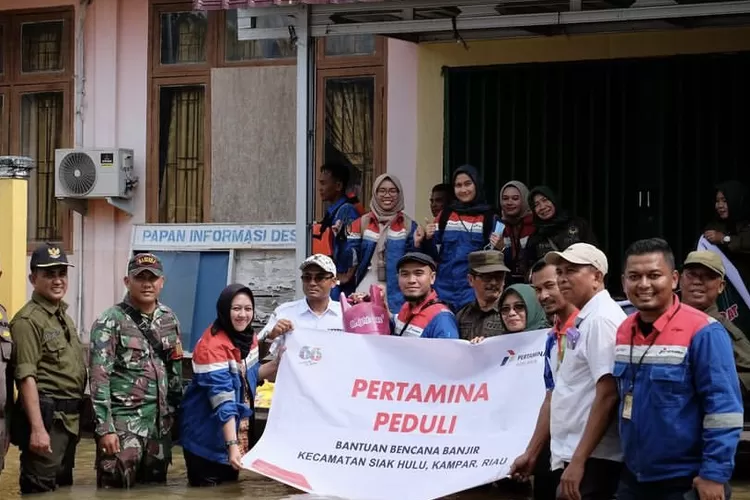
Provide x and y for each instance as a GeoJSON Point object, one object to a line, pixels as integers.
{"type": "Point", "coordinates": [575, 384]}
{"type": "Point", "coordinates": [301, 316]}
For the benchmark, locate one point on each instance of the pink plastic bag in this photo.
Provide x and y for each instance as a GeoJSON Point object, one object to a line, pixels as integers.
{"type": "Point", "coordinates": [366, 317]}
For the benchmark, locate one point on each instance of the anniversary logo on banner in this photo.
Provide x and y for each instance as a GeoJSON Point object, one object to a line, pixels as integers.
{"type": "Point", "coordinates": [372, 417]}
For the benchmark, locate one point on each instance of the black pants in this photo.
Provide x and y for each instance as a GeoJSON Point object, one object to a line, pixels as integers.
{"type": "Point", "coordinates": [600, 479]}
{"type": "Point", "coordinates": [670, 489]}
{"type": "Point", "coordinates": [43, 473]}
{"type": "Point", "coordinates": [202, 472]}
{"type": "Point", "coordinates": [545, 480]}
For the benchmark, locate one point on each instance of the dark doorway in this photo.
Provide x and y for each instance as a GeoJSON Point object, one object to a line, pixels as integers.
{"type": "Point", "coordinates": [635, 146]}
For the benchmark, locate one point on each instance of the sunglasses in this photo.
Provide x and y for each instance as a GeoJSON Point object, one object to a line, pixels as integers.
{"type": "Point", "coordinates": [517, 308]}
{"type": "Point", "coordinates": [317, 278]}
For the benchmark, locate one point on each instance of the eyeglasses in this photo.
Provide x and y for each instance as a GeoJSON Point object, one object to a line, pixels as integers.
{"type": "Point", "coordinates": [385, 191]}
{"type": "Point", "coordinates": [317, 278]}
{"type": "Point", "coordinates": [517, 308]}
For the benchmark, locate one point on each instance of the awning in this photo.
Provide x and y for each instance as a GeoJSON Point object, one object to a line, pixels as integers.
{"type": "Point", "coordinates": [243, 4]}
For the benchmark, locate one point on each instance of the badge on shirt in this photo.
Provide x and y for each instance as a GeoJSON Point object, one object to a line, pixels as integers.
{"type": "Point", "coordinates": [627, 406]}
{"type": "Point", "coordinates": [572, 335]}
{"type": "Point", "coordinates": [177, 350]}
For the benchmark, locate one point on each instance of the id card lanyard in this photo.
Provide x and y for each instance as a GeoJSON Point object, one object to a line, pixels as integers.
{"type": "Point", "coordinates": [627, 405]}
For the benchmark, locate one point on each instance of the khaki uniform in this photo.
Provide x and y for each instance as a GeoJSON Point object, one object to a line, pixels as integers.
{"type": "Point", "coordinates": [741, 348]}
{"type": "Point", "coordinates": [47, 348]}
{"type": "Point", "coordinates": [473, 322]}
{"type": "Point", "coordinates": [6, 382]}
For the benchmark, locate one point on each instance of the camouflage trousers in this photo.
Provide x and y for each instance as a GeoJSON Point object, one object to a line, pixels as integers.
{"type": "Point", "coordinates": [140, 460]}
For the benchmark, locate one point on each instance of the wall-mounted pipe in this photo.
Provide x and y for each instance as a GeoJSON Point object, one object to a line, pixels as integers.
{"type": "Point", "coordinates": [80, 92]}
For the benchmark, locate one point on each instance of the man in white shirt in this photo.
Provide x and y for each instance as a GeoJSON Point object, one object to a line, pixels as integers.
{"type": "Point", "coordinates": [584, 435]}
{"type": "Point", "coordinates": [316, 310]}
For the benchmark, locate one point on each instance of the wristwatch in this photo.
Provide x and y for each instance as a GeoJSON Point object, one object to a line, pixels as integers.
{"type": "Point", "coordinates": [227, 444]}
{"type": "Point", "coordinates": [726, 239]}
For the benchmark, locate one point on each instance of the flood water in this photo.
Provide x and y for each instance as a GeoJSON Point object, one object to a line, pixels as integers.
{"type": "Point", "coordinates": [250, 485]}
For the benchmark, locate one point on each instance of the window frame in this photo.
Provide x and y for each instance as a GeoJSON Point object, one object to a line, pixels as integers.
{"type": "Point", "coordinates": [221, 61]}
{"type": "Point", "coordinates": [67, 46]}
{"type": "Point", "coordinates": [153, 126]}
{"type": "Point", "coordinates": [156, 68]}
{"type": "Point", "coordinates": [160, 75]}
{"type": "Point", "coordinates": [6, 72]}
{"type": "Point", "coordinates": [5, 94]}
{"type": "Point", "coordinates": [16, 94]}
{"type": "Point", "coordinates": [378, 73]}
{"type": "Point", "coordinates": [13, 84]}
{"type": "Point", "coordinates": [324, 61]}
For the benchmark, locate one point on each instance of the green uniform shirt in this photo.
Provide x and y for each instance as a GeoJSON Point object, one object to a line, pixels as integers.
{"type": "Point", "coordinates": [740, 346]}
{"type": "Point", "coordinates": [47, 348]}
{"type": "Point", "coordinates": [473, 322]}
{"type": "Point", "coordinates": [135, 387]}
{"type": "Point", "coordinates": [6, 381]}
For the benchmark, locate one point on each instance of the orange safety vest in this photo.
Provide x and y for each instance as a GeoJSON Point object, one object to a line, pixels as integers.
{"type": "Point", "coordinates": [324, 244]}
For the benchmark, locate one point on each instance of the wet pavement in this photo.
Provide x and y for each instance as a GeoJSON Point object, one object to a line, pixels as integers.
{"type": "Point", "coordinates": [250, 485]}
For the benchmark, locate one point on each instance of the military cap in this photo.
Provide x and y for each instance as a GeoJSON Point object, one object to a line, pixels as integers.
{"type": "Point", "coordinates": [487, 261]}
{"type": "Point", "coordinates": [48, 255]}
{"type": "Point", "coordinates": [707, 259]}
{"type": "Point", "coordinates": [145, 262]}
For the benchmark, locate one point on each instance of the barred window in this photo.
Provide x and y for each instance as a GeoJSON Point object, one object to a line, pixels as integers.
{"type": "Point", "coordinates": [184, 37]}
{"type": "Point", "coordinates": [41, 133]}
{"type": "Point", "coordinates": [182, 169]}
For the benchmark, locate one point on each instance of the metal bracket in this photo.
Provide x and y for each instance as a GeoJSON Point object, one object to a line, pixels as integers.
{"type": "Point", "coordinates": [124, 204]}
{"type": "Point", "coordinates": [81, 205]}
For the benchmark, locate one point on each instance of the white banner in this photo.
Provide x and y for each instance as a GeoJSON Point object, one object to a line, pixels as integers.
{"type": "Point", "coordinates": [371, 417]}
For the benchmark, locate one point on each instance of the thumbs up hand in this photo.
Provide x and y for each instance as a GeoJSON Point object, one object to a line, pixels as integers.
{"type": "Point", "coordinates": [418, 236]}
{"type": "Point", "coordinates": [430, 228]}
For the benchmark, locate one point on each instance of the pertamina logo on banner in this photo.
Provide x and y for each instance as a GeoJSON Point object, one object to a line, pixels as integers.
{"type": "Point", "coordinates": [522, 358]}
{"type": "Point", "coordinates": [370, 417]}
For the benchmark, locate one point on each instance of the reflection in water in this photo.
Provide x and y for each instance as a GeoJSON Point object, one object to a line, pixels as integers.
{"type": "Point", "coordinates": [250, 485]}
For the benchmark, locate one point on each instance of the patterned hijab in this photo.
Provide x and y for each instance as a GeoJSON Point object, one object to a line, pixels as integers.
{"type": "Point", "coordinates": [385, 216]}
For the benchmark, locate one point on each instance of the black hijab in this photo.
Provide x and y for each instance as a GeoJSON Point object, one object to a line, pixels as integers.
{"type": "Point", "coordinates": [550, 227]}
{"type": "Point", "coordinates": [223, 323]}
{"type": "Point", "coordinates": [738, 201]}
{"type": "Point", "coordinates": [476, 206]}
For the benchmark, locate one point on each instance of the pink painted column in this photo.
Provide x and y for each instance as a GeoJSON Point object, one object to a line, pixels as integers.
{"type": "Point", "coordinates": [401, 135]}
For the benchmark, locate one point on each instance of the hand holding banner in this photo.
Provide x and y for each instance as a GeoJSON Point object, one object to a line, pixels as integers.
{"type": "Point", "coordinates": [377, 417]}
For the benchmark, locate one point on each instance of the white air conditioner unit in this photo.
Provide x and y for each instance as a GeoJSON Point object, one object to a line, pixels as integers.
{"type": "Point", "coordinates": [85, 174]}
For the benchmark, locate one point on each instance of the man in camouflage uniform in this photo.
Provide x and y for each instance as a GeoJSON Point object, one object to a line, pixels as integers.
{"type": "Point", "coordinates": [6, 381]}
{"type": "Point", "coordinates": [136, 380]}
{"type": "Point", "coordinates": [50, 372]}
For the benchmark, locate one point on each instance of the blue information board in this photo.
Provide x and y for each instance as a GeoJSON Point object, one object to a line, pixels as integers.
{"type": "Point", "coordinates": [193, 283]}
